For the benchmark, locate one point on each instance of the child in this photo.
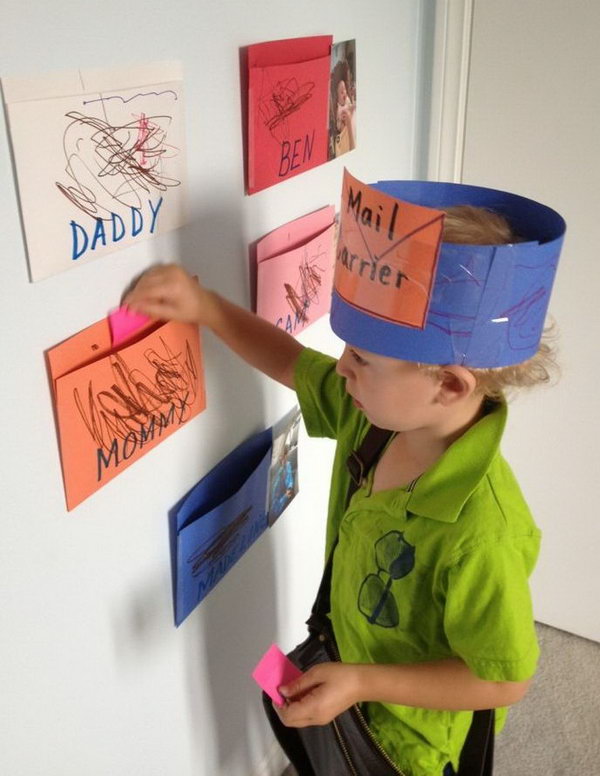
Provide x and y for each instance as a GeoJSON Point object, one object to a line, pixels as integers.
{"type": "Point", "coordinates": [344, 107]}
{"type": "Point", "coordinates": [344, 113]}
{"type": "Point", "coordinates": [429, 597]}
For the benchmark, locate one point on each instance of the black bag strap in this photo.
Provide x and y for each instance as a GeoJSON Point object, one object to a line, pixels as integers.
{"type": "Point", "coordinates": [477, 755]}
{"type": "Point", "coordinates": [359, 463]}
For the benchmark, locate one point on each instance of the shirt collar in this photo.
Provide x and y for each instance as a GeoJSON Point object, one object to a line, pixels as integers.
{"type": "Point", "coordinates": [441, 492]}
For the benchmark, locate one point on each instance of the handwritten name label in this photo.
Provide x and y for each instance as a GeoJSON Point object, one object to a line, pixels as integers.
{"type": "Point", "coordinates": [244, 531]}
{"type": "Point", "coordinates": [122, 449]}
{"type": "Point", "coordinates": [138, 407]}
{"type": "Point", "coordinates": [114, 229]}
{"type": "Point", "coordinates": [294, 155]}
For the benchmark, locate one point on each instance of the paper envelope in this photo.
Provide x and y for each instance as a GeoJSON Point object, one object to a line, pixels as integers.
{"type": "Point", "coordinates": [219, 519]}
{"type": "Point", "coordinates": [100, 160]}
{"type": "Point", "coordinates": [114, 403]}
{"type": "Point", "coordinates": [294, 275]}
{"type": "Point", "coordinates": [288, 103]}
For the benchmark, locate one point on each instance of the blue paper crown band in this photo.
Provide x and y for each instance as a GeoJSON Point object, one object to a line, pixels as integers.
{"type": "Point", "coordinates": [488, 303]}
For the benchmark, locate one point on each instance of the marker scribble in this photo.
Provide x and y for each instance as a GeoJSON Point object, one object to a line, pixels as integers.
{"type": "Point", "coordinates": [279, 101]}
{"type": "Point", "coordinates": [305, 291]}
{"type": "Point", "coordinates": [111, 166]}
{"type": "Point", "coordinates": [129, 99]}
{"type": "Point", "coordinates": [143, 135]}
{"type": "Point", "coordinates": [138, 400]}
{"type": "Point", "coordinates": [212, 550]}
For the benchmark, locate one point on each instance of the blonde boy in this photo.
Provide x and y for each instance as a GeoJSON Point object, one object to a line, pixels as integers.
{"type": "Point", "coordinates": [430, 603]}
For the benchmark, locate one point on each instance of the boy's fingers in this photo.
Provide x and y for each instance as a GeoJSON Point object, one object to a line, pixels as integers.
{"type": "Point", "coordinates": [154, 309]}
{"type": "Point", "coordinates": [295, 715]}
{"type": "Point", "coordinates": [153, 276]}
{"type": "Point", "coordinates": [151, 289]}
{"type": "Point", "coordinates": [301, 685]}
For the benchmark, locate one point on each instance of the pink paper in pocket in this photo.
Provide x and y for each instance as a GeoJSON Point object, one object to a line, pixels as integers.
{"type": "Point", "coordinates": [123, 323]}
{"type": "Point", "coordinates": [273, 670]}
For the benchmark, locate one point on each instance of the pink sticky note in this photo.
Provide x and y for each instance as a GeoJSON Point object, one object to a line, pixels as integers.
{"type": "Point", "coordinates": [273, 670]}
{"type": "Point", "coordinates": [123, 323]}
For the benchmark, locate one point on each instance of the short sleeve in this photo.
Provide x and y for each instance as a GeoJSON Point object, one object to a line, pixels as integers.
{"type": "Point", "coordinates": [488, 615]}
{"type": "Point", "coordinates": [321, 394]}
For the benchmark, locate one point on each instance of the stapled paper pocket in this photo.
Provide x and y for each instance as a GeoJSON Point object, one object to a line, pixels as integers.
{"type": "Point", "coordinates": [218, 520]}
{"type": "Point", "coordinates": [113, 404]}
{"type": "Point", "coordinates": [288, 102]}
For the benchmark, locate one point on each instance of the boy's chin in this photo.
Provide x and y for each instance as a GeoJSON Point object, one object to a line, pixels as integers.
{"type": "Point", "coordinates": [373, 420]}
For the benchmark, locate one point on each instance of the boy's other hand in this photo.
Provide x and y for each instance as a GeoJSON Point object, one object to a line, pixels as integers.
{"type": "Point", "coordinates": [319, 695]}
{"type": "Point", "coordinates": [168, 292]}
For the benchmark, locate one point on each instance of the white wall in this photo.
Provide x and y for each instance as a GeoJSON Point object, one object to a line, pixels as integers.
{"type": "Point", "coordinates": [532, 121]}
{"type": "Point", "coordinates": [95, 678]}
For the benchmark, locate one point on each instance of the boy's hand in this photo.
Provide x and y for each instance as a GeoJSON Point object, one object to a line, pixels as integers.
{"type": "Point", "coordinates": [319, 695]}
{"type": "Point", "coordinates": [168, 292]}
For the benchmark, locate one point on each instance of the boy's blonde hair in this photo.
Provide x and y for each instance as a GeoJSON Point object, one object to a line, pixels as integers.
{"type": "Point", "coordinates": [470, 225]}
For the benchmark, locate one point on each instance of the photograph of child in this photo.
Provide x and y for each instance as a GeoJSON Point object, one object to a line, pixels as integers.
{"type": "Point", "coordinates": [283, 475]}
{"type": "Point", "coordinates": [342, 99]}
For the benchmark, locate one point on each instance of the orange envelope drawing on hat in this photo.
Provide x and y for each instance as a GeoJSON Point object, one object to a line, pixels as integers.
{"type": "Point", "coordinates": [387, 254]}
{"type": "Point", "coordinates": [114, 402]}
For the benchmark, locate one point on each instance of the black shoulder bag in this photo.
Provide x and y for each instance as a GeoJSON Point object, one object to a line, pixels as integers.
{"type": "Point", "coordinates": [346, 746]}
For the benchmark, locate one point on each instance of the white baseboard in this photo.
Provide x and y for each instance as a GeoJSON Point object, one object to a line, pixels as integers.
{"type": "Point", "coordinates": [273, 763]}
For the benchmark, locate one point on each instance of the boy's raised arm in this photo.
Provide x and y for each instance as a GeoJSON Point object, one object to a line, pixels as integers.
{"type": "Point", "coordinates": [168, 292]}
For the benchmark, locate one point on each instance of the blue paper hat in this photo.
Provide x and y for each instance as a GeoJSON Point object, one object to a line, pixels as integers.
{"type": "Point", "coordinates": [488, 303]}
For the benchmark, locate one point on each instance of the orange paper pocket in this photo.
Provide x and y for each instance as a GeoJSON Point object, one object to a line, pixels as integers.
{"type": "Point", "coordinates": [114, 404]}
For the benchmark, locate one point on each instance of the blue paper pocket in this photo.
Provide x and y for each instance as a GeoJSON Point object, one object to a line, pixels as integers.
{"type": "Point", "coordinates": [218, 520]}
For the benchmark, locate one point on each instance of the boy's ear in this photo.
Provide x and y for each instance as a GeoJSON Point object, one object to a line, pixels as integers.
{"type": "Point", "coordinates": [456, 384]}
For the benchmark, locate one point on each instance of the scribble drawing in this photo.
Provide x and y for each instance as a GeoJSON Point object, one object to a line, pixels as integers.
{"type": "Point", "coordinates": [134, 97]}
{"type": "Point", "coordinates": [278, 101]}
{"type": "Point", "coordinates": [140, 400]}
{"type": "Point", "coordinates": [305, 291]}
{"type": "Point", "coordinates": [216, 547]}
{"type": "Point", "coordinates": [114, 165]}
{"type": "Point", "coordinates": [144, 133]}
{"type": "Point", "coordinates": [526, 317]}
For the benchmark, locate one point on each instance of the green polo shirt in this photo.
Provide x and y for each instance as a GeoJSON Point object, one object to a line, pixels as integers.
{"type": "Point", "coordinates": [430, 572]}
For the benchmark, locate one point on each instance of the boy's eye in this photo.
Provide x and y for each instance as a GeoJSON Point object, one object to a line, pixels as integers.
{"type": "Point", "coordinates": [357, 358]}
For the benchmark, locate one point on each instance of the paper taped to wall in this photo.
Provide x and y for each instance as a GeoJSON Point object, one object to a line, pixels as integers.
{"type": "Point", "coordinates": [114, 403]}
{"type": "Point", "coordinates": [294, 273]}
{"type": "Point", "coordinates": [100, 160]}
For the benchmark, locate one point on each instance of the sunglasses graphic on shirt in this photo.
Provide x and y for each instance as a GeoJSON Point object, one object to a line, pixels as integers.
{"type": "Point", "coordinates": [395, 558]}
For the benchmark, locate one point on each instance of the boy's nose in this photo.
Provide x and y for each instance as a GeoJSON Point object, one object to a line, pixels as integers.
{"type": "Point", "coordinates": [342, 365]}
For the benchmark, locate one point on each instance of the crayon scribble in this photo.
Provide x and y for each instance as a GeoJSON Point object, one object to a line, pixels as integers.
{"type": "Point", "coordinates": [129, 99]}
{"type": "Point", "coordinates": [305, 291]}
{"type": "Point", "coordinates": [279, 101]}
{"type": "Point", "coordinates": [110, 165]}
{"type": "Point", "coordinates": [138, 401]}
{"type": "Point", "coordinates": [143, 135]}
{"type": "Point", "coordinates": [212, 550]}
